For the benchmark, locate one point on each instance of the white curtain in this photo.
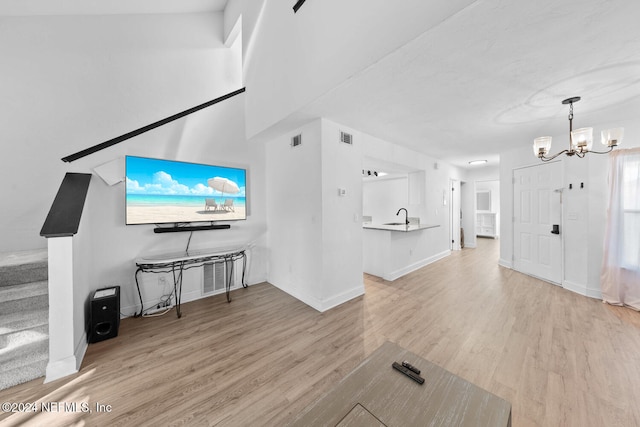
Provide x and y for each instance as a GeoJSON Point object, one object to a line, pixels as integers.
{"type": "Point", "coordinates": [620, 278]}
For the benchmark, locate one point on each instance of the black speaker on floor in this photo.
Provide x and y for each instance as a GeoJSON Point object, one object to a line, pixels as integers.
{"type": "Point", "coordinates": [104, 314]}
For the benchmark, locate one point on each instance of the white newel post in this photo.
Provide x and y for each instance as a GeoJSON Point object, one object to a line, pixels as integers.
{"type": "Point", "coordinates": [62, 358]}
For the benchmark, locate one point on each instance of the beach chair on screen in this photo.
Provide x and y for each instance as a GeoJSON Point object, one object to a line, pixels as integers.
{"type": "Point", "coordinates": [210, 204]}
{"type": "Point", "coordinates": [228, 205]}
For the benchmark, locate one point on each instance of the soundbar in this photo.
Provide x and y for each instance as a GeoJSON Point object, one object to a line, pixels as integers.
{"type": "Point", "coordinates": [191, 228]}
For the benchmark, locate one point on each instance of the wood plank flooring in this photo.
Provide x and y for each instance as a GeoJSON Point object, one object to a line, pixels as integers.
{"type": "Point", "coordinates": [561, 359]}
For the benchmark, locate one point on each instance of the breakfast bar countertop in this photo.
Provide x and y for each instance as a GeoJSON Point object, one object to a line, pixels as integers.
{"type": "Point", "coordinates": [397, 227]}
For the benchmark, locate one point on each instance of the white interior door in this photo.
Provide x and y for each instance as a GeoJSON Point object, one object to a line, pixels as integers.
{"type": "Point", "coordinates": [537, 207]}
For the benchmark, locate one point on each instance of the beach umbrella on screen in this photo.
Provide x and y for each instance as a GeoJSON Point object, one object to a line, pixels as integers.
{"type": "Point", "coordinates": [223, 185]}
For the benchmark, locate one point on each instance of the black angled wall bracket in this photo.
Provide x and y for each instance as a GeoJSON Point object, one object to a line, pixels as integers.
{"type": "Point", "coordinates": [80, 154]}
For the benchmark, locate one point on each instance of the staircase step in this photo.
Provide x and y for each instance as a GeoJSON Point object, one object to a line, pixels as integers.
{"type": "Point", "coordinates": [30, 320]}
{"type": "Point", "coordinates": [24, 353]}
{"type": "Point", "coordinates": [40, 302]}
{"type": "Point", "coordinates": [16, 275]}
{"type": "Point", "coordinates": [13, 340]}
{"type": "Point", "coordinates": [24, 297]}
{"type": "Point", "coordinates": [25, 359]}
{"type": "Point", "coordinates": [23, 373]}
{"type": "Point", "coordinates": [24, 290]}
{"type": "Point", "coordinates": [21, 343]}
{"type": "Point", "coordinates": [23, 267]}
{"type": "Point", "coordinates": [24, 317]}
{"type": "Point", "coordinates": [23, 320]}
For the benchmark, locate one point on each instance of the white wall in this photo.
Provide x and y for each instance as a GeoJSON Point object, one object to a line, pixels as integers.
{"type": "Point", "coordinates": [315, 235]}
{"type": "Point", "coordinates": [73, 82]}
{"type": "Point", "coordinates": [294, 214]}
{"type": "Point", "coordinates": [341, 215]}
{"type": "Point", "coordinates": [382, 197]}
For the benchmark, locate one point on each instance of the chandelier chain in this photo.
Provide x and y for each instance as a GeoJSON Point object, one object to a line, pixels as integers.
{"type": "Point", "coordinates": [571, 111]}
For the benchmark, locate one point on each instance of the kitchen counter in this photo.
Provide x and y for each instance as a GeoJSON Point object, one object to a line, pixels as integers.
{"type": "Point", "coordinates": [401, 227]}
{"type": "Point", "coordinates": [391, 251]}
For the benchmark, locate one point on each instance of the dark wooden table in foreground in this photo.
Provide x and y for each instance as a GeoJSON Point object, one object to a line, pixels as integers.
{"type": "Point", "coordinates": [375, 394]}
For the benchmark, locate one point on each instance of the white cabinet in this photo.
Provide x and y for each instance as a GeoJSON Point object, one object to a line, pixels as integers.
{"type": "Point", "coordinates": [486, 224]}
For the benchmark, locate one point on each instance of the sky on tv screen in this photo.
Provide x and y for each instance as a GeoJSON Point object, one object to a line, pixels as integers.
{"type": "Point", "coordinates": [170, 178]}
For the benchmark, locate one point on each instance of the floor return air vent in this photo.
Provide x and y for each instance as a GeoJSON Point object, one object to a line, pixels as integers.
{"type": "Point", "coordinates": [214, 277]}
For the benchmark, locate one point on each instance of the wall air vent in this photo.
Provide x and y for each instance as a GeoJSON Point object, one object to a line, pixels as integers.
{"type": "Point", "coordinates": [296, 140]}
{"type": "Point", "coordinates": [346, 138]}
{"type": "Point", "coordinates": [214, 277]}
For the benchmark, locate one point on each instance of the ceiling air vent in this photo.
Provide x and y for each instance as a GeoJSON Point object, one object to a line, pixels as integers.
{"type": "Point", "coordinates": [296, 140]}
{"type": "Point", "coordinates": [346, 138]}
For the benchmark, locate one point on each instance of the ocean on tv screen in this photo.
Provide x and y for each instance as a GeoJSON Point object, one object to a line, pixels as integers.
{"type": "Point", "coordinates": [165, 191]}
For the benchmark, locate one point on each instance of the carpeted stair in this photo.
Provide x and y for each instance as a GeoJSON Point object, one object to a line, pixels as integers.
{"type": "Point", "coordinates": [24, 317]}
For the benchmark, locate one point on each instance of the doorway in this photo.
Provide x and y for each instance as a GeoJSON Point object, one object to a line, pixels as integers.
{"type": "Point", "coordinates": [487, 209]}
{"type": "Point", "coordinates": [455, 213]}
{"type": "Point", "coordinates": [537, 217]}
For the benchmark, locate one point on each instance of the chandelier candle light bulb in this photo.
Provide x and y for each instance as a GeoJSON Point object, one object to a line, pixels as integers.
{"type": "Point", "coordinates": [582, 140]}
{"type": "Point", "coordinates": [612, 137]}
{"type": "Point", "coordinates": [542, 145]}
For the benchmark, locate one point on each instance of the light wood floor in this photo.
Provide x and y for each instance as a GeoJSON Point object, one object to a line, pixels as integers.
{"type": "Point", "coordinates": [561, 359]}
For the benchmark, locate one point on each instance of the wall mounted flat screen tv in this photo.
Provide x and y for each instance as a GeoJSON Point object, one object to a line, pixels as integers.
{"type": "Point", "coordinates": [166, 191]}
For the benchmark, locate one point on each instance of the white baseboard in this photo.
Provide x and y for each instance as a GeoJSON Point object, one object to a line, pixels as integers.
{"type": "Point", "coordinates": [581, 289]}
{"type": "Point", "coordinates": [128, 311]}
{"type": "Point", "coordinates": [326, 304]}
{"type": "Point", "coordinates": [61, 368]}
{"type": "Point", "coordinates": [505, 263]}
{"type": "Point", "coordinates": [69, 365]}
{"type": "Point", "coordinates": [343, 297]}
{"type": "Point", "coordinates": [309, 300]}
{"type": "Point", "coordinates": [415, 266]}
{"type": "Point", "coordinates": [81, 349]}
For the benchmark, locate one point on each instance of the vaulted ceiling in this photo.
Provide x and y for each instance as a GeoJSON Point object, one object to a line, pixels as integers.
{"type": "Point", "coordinates": [492, 77]}
{"type": "Point", "coordinates": [107, 7]}
{"type": "Point", "coordinates": [489, 78]}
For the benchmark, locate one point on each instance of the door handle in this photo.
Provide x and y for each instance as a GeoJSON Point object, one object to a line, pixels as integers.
{"type": "Point", "coordinates": [556, 229]}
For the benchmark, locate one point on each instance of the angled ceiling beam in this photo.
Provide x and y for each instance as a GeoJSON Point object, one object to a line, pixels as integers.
{"type": "Point", "coordinates": [80, 154]}
{"type": "Point", "coordinates": [298, 5]}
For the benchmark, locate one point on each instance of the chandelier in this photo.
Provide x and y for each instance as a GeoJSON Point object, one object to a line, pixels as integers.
{"type": "Point", "coordinates": [580, 140]}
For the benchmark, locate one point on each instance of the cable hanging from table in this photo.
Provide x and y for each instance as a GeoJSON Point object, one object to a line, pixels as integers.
{"type": "Point", "coordinates": [177, 266]}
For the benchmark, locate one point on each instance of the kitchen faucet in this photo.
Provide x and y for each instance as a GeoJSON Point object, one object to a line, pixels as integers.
{"type": "Point", "coordinates": [406, 215]}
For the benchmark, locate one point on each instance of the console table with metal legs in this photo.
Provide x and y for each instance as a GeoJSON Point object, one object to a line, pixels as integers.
{"type": "Point", "coordinates": [177, 263]}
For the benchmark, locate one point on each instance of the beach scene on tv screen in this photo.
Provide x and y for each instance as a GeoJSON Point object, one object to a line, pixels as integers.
{"type": "Point", "coordinates": [165, 191]}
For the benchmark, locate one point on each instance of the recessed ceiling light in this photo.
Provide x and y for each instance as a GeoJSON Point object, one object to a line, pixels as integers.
{"type": "Point", "coordinates": [477, 162]}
